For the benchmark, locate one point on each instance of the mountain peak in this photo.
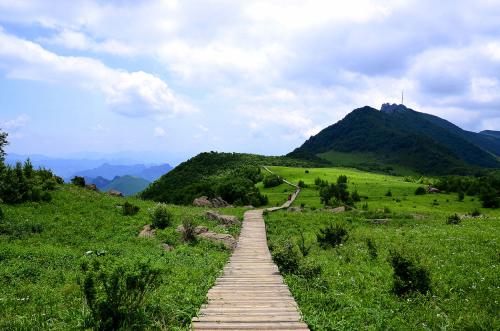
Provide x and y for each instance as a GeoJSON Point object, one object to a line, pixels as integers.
{"type": "Point", "coordinates": [392, 108]}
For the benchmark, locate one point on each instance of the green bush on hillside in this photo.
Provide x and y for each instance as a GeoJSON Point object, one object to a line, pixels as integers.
{"type": "Point", "coordinates": [453, 219]}
{"type": "Point", "coordinates": [78, 181]}
{"type": "Point", "coordinates": [332, 236]}
{"type": "Point", "coordinates": [286, 256]}
{"type": "Point", "coordinates": [336, 192]}
{"type": "Point", "coordinates": [420, 191]}
{"type": "Point", "coordinates": [408, 277]}
{"type": "Point", "coordinates": [188, 234]}
{"type": "Point", "coordinates": [129, 209]}
{"type": "Point", "coordinates": [272, 181]}
{"type": "Point", "coordinates": [161, 217]}
{"type": "Point", "coordinates": [115, 293]}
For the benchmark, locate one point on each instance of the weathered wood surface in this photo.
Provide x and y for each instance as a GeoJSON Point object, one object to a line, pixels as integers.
{"type": "Point", "coordinates": [251, 294]}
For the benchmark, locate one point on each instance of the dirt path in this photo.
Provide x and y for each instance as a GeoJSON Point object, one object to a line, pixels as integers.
{"type": "Point", "coordinates": [251, 294]}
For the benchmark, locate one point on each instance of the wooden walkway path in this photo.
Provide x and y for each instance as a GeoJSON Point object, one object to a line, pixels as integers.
{"type": "Point", "coordinates": [251, 294]}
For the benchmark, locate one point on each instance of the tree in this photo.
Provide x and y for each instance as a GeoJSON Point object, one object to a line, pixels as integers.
{"type": "Point", "coordinates": [3, 143]}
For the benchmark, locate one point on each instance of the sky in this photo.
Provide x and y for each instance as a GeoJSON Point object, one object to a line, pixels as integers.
{"type": "Point", "coordinates": [168, 79]}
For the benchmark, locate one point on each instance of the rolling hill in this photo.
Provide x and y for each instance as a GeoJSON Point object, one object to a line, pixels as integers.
{"type": "Point", "coordinates": [128, 185]}
{"type": "Point", "coordinates": [109, 171]}
{"type": "Point", "coordinates": [399, 137]}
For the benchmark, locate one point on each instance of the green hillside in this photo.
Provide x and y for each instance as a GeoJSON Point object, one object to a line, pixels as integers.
{"type": "Point", "coordinates": [403, 138]}
{"type": "Point", "coordinates": [43, 245]}
{"type": "Point", "coordinates": [128, 185]}
{"type": "Point", "coordinates": [350, 287]}
{"type": "Point", "coordinates": [230, 175]}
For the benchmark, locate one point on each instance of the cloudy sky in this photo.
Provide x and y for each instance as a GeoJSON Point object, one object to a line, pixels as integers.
{"type": "Point", "coordinates": [179, 77]}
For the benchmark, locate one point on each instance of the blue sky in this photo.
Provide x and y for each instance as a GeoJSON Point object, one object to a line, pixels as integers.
{"type": "Point", "coordinates": [179, 77]}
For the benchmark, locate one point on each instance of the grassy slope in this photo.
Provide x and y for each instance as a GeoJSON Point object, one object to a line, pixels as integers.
{"type": "Point", "coordinates": [354, 292]}
{"type": "Point", "coordinates": [38, 271]}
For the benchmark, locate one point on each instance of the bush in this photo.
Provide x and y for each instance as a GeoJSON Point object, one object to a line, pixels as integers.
{"type": "Point", "coordinates": [78, 181]}
{"type": "Point", "coordinates": [188, 235]}
{"type": "Point", "coordinates": [272, 181]}
{"type": "Point", "coordinates": [161, 217]}
{"type": "Point", "coordinates": [304, 249]}
{"type": "Point", "coordinates": [453, 219]}
{"type": "Point", "coordinates": [388, 193]}
{"type": "Point", "coordinates": [365, 206]}
{"type": "Point", "coordinates": [355, 196]}
{"type": "Point", "coordinates": [372, 249]}
{"type": "Point", "coordinates": [408, 276]}
{"type": "Point", "coordinates": [475, 213]}
{"type": "Point", "coordinates": [286, 257]}
{"type": "Point", "coordinates": [332, 236]}
{"type": "Point", "coordinates": [301, 184]}
{"type": "Point", "coordinates": [129, 209]}
{"type": "Point", "coordinates": [420, 191]}
{"type": "Point", "coordinates": [306, 171]}
{"type": "Point", "coordinates": [461, 196]}
{"type": "Point", "coordinates": [46, 196]}
{"type": "Point", "coordinates": [115, 294]}
{"type": "Point", "coordinates": [342, 179]}
{"type": "Point", "coordinates": [1, 214]}
{"type": "Point", "coordinates": [308, 269]}
{"type": "Point", "coordinates": [489, 197]}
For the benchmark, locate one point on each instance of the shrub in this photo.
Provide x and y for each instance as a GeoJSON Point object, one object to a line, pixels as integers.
{"type": "Point", "coordinates": [489, 197]}
{"type": "Point", "coordinates": [388, 193]}
{"type": "Point", "coordinates": [46, 196]}
{"type": "Point", "coordinates": [332, 236]}
{"type": "Point", "coordinates": [301, 184]}
{"type": "Point", "coordinates": [387, 210]}
{"type": "Point", "coordinates": [342, 179]}
{"type": "Point", "coordinates": [408, 276]}
{"type": "Point", "coordinates": [475, 213]}
{"type": "Point", "coordinates": [372, 249]}
{"type": "Point", "coordinates": [286, 257]}
{"type": "Point", "coordinates": [115, 293]}
{"type": "Point", "coordinates": [129, 209]}
{"type": "Point", "coordinates": [304, 249]}
{"type": "Point", "coordinates": [355, 196]}
{"type": "Point", "coordinates": [420, 191]}
{"type": "Point", "coordinates": [365, 206]}
{"type": "Point", "coordinates": [308, 269]}
{"type": "Point", "coordinates": [1, 214]}
{"type": "Point", "coordinates": [453, 219]}
{"type": "Point", "coordinates": [461, 196]}
{"type": "Point", "coordinates": [78, 181]}
{"type": "Point", "coordinates": [188, 235]}
{"type": "Point", "coordinates": [161, 217]}
{"type": "Point", "coordinates": [306, 171]}
{"type": "Point", "coordinates": [272, 181]}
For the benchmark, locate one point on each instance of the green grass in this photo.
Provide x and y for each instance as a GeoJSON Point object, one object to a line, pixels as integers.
{"type": "Point", "coordinates": [42, 245]}
{"type": "Point", "coordinates": [373, 187]}
{"type": "Point", "coordinates": [355, 292]}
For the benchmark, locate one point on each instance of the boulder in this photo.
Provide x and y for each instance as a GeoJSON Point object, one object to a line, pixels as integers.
{"type": "Point", "coordinates": [92, 187]}
{"type": "Point", "coordinates": [431, 189]}
{"type": "Point", "coordinates": [115, 193]}
{"type": "Point", "coordinates": [380, 221]}
{"type": "Point", "coordinates": [202, 202]}
{"type": "Point", "coordinates": [203, 232]}
{"type": "Point", "coordinates": [219, 203]}
{"type": "Point", "coordinates": [167, 247]}
{"type": "Point", "coordinates": [337, 210]}
{"type": "Point", "coordinates": [147, 231]}
{"type": "Point", "coordinates": [223, 219]}
{"type": "Point", "coordinates": [294, 209]}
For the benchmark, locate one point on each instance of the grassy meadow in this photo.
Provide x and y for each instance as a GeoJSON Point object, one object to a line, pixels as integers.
{"type": "Point", "coordinates": [43, 244]}
{"type": "Point", "coordinates": [354, 289]}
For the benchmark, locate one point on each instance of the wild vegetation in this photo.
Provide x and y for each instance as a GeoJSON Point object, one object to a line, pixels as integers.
{"type": "Point", "coordinates": [77, 262]}
{"type": "Point", "coordinates": [230, 175]}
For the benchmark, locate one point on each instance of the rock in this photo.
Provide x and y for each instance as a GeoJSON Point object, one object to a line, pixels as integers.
{"type": "Point", "coordinates": [431, 189]}
{"type": "Point", "coordinates": [147, 231]}
{"type": "Point", "coordinates": [294, 209]}
{"type": "Point", "coordinates": [202, 202]}
{"type": "Point", "coordinates": [249, 207]}
{"type": "Point", "coordinates": [167, 247]}
{"type": "Point", "coordinates": [380, 221]}
{"type": "Point", "coordinates": [92, 187]}
{"type": "Point", "coordinates": [199, 229]}
{"type": "Point", "coordinates": [337, 210]}
{"type": "Point", "coordinates": [226, 239]}
{"type": "Point", "coordinates": [223, 219]}
{"type": "Point", "coordinates": [115, 193]}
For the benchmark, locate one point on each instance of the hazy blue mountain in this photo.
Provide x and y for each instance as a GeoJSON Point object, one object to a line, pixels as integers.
{"type": "Point", "coordinates": [490, 133]}
{"type": "Point", "coordinates": [109, 171]}
{"type": "Point", "coordinates": [128, 185]}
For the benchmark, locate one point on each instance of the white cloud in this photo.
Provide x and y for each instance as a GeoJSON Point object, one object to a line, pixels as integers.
{"type": "Point", "coordinates": [159, 132]}
{"type": "Point", "coordinates": [15, 124]}
{"type": "Point", "coordinates": [129, 93]}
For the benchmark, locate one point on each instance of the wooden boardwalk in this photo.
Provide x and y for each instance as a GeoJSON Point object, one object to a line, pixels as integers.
{"type": "Point", "coordinates": [251, 294]}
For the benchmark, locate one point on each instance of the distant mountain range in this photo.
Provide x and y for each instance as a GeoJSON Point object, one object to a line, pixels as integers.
{"type": "Point", "coordinates": [92, 168]}
{"type": "Point", "coordinates": [109, 171]}
{"type": "Point", "coordinates": [397, 137]}
{"type": "Point", "coordinates": [128, 185]}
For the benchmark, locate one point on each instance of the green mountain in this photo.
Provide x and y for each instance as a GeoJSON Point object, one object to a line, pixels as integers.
{"type": "Point", "coordinates": [128, 185]}
{"type": "Point", "coordinates": [216, 174]}
{"type": "Point", "coordinates": [396, 138]}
